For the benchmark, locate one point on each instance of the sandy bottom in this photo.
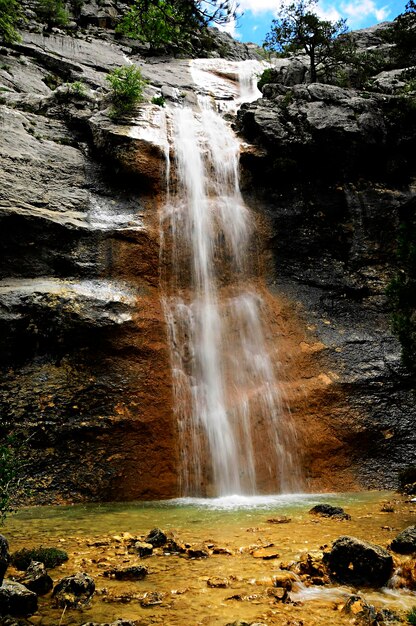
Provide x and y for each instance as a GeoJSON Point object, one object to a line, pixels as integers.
{"type": "Point", "coordinates": [96, 538]}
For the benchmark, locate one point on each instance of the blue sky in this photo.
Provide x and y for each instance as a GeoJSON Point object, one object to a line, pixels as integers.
{"type": "Point", "coordinates": [258, 15]}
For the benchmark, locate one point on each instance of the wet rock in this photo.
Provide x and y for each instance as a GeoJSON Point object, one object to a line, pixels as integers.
{"type": "Point", "coordinates": [198, 552]}
{"type": "Point", "coordinates": [37, 579]}
{"type": "Point", "coordinates": [4, 557]}
{"type": "Point", "coordinates": [222, 550]}
{"type": "Point", "coordinates": [74, 591]}
{"type": "Point", "coordinates": [366, 614]}
{"type": "Point", "coordinates": [356, 562]}
{"type": "Point", "coordinates": [266, 553]}
{"type": "Point", "coordinates": [360, 609]}
{"type": "Point", "coordinates": [135, 572]}
{"type": "Point", "coordinates": [405, 542]}
{"type": "Point", "coordinates": [138, 146]}
{"type": "Point", "coordinates": [16, 600]}
{"type": "Point", "coordinates": [142, 548]}
{"type": "Point", "coordinates": [152, 598]}
{"type": "Point", "coordinates": [243, 623]}
{"type": "Point", "coordinates": [157, 538]}
{"type": "Point", "coordinates": [284, 580]}
{"type": "Point", "coordinates": [218, 583]}
{"type": "Point", "coordinates": [118, 622]}
{"type": "Point", "coordinates": [327, 510]}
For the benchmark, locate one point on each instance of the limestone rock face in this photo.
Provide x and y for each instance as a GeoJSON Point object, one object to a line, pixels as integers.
{"type": "Point", "coordinates": [84, 360]}
{"type": "Point", "coordinates": [332, 169]}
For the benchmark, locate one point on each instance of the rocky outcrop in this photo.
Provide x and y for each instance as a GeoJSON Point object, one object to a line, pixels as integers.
{"type": "Point", "coordinates": [16, 600]}
{"type": "Point", "coordinates": [356, 562]}
{"type": "Point", "coordinates": [332, 170]}
{"type": "Point", "coordinates": [74, 591]}
{"type": "Point", "coordinates": [85, 365]}
{"type": "Point", "coordinates": [405, 542]}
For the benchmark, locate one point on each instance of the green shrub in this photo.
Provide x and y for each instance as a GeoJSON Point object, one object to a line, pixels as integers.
{"type": "Point", "coordinates": [159, 100]}
{"type": "Point", "coordinates": [161, 23]}
{"type": "Point", "coordinates": [50, 557]}
{"type": "Point", "coordinates": [53, 12]}
{"type": "Point", "coordinates": [127, 84]}
{"type": "Point", "coordinates": [267, 77]}
{"type": "Point", "coordinates": [10, 14]}
{"type": "Point", "coordinates": [411, 616]}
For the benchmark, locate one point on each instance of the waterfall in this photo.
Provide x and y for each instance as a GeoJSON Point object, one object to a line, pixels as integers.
{"type": "Point", "coordinates": [235, 436]}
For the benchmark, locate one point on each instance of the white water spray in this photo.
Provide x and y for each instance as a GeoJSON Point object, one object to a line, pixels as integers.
{"type": "Point", "coordinates": [234, 439]}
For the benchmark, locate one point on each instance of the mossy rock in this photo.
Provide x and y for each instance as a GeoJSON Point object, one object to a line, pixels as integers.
{"type": "Point", "coordinates": [50, 557]}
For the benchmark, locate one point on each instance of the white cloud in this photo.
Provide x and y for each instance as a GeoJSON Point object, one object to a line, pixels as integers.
{"type": "Point", "coordinates": [331, 13]}
{"type": "Point", "coordinates": [230, 28]}
{"type": "Point", "coordinates": [358, 10]}
{"type": "Point", "coordinates": [258, 6]}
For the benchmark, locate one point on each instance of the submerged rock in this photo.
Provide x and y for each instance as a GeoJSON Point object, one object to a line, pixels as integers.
{"type": "Point", "coordinates": [50, 557]}
{"type": "Point", "coordinates": [356, 562]}
{"type": "Point", "coordinates": [74, 591]}
{"type": "Point", "coordinates": [118, 622]}
{"type": "Point", "coordinates": [327, 510]}
{"type": "Point", "coordinates": [405, 542]}
{"type": "Point", "coordinates": [4, 557]}
{"type": "Point", "coordinates": [37, 579]}
{"type": "Point", "coordinates": [135, 572]}
{"type": "Point", "coordinates": [16, 600]}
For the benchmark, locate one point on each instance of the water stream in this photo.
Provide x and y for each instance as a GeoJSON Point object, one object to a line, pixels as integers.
{"type": "Point", "coordinates": [236, 437]}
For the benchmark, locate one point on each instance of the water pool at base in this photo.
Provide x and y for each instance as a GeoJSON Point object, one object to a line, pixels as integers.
{"type": "Point", "coordinates": [95, 537]}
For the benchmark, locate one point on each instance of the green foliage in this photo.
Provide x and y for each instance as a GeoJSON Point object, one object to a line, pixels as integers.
{"type": "Point", "coordinates": [10, 14]}
{"type": "Point", "coordinates": [50, 557]}
{"type": "Point", "coordinates": [266, 77]}
{"type": "Point", "coordinates": [298, 28]}
{"type": "Point", "coordinates": [53, 12]}
{"type": "Point", "coordinates": [403, 35]}
{"type": "Point", "coordinates": [172, 22]}
{"type": "Point", "coordinates": [11, 469]}
{"type": "Point", "coordinates": [159, 100]}
{"type": "Point", "coordinates": [411, 616]}
{"type": "Point", "coordinates": [351, 67]}
{"type": "Point", "coordinates": [127, 84]}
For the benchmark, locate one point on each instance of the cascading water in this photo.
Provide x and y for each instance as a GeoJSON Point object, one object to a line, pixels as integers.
{"type": "Point", "coordinates": [233, 433]}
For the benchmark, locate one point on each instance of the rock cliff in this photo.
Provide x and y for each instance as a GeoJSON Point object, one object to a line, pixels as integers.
{"type": "Point", "coordinates": [84, 355]}
{"type": "Point", "coordinates": [334, 171]}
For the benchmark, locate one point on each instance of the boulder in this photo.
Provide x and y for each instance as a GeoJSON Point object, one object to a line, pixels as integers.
{"type": "Point", "coordinates": [135, 572]}
{"type": "Point", "coordinates": [4, 557]}
{"type": "Point", "coordinates": [142, 548]}
{"type": "Point", "coordinates": [74, 591]}
{"type": "Point", "coordinates": [156, 538]}
{"type": "Point", "coordinates": [327, 510]}
{"type": "Point", "coordinates": [16, 600]}
{"type": "Point", "coordinates": [37, 579]}
{"type": "Point", "coordinates": [353, 561]}
{"type": "Point", "coordinates": [405, 542]}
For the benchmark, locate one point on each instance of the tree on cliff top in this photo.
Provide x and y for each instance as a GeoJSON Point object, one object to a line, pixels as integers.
{"type": "Point", "coordinates": [403, 34]}
{"type": "Point", "coordinates": [298, 28]}
{"type": "Point", "coordinates": [162, 22]}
